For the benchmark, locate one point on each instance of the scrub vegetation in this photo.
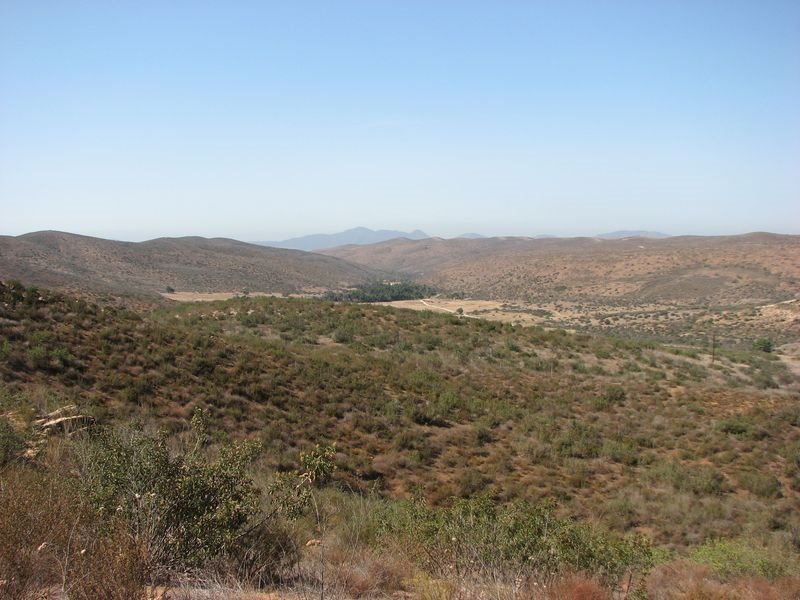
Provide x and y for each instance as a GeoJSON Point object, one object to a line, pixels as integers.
{"type": "Point", "coordinates": [352, 450]}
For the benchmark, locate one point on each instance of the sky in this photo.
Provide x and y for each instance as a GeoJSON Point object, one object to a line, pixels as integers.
{"type": "Point", "coordinates": [266, 120]}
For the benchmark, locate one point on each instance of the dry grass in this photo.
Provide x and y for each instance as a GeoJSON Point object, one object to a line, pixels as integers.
{"type": "Point", "coordinates": [685, 581]}
{"type": "Point", "coordinates": [51, 541]}
{"type": "Point", "coordinates": [337, 570]}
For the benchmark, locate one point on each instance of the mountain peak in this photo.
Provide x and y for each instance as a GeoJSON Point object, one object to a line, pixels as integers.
{"type": "Point", "coordinates": [356, 236]}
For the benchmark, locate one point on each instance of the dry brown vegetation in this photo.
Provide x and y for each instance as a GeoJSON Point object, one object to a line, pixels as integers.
{"type": "Point", "coordinates": [190, 264]}
{"type": "Point", "coordinates": [625, 436]}
{"type": "Point", "coordinates": [674, 287]}
{"type": "Point", "coordinates": [721, 270]}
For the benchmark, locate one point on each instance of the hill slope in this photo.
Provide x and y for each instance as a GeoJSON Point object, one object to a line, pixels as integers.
{"type": "Point", "coordinates": [65, 260]}
{"type": "Point", "coordinates": [638, 436]}
{"type": "Point", "coordinates": [753, 268]}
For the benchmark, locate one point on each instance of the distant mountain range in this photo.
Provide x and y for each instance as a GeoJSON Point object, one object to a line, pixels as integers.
{"type": "Point", "coordinates": [618, 235]}
{"type": "Point", "coordinates": [363, 236]}
{"type": "Point", "coordinates": [359, 236]}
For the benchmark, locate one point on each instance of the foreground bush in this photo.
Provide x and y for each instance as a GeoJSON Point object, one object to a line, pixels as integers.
{"type": "Point", "coordinates": [478, 538]}
{"type": "Point", "coordinates": [185, 510]}
{"type": "Point", "coordinates": [730, 558]}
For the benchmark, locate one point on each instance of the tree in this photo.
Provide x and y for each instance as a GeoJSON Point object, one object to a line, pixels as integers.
{"type": "Point", "coordinates": [762, 345]}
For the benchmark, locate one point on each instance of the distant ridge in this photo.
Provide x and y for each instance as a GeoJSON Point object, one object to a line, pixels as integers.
{"type": "Point", "coordinates": [756, 268]}
{"type": "Point", "coordinates": [358, 236]}
{"type": "Point", "coordinates": [618, 235]}
{"type": "Point", "coordinates": [65, 260]}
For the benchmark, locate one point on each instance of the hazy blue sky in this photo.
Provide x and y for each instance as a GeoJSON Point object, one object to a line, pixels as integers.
{"type": "Point", "coordinates": [263, 120]}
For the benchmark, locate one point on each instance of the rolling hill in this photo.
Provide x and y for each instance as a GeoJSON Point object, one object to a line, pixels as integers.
{"type": "Point", "coordinates": [726, 270]}
{"type": "Point", "coordinates": [65, 260]}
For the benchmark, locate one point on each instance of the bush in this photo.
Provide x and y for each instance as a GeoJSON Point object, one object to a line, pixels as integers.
{"type": "Point", "coordinates": [50, 539]}
{"type": "Point", "coordinates": [184, 510]}
{"type": "Point", "coordinates": [739, 558]}
{"type": "Point", "coordinates": [621, 452]}
{"type": "Point", "coordinates": [762, 345]}
{"type": "Point", "coordinates": [32, 520]}
{"type": "Point", "coordinates": [744, 426]}
{"type": "Point", "coordinates": [11, 442]}
{"type": "Point", "coordinates": [760, 484]}
{"type": "Point", "coordinates": [698, 479]}
{"type": "Point", "coordinates": [477, 537]}
{"type": "Point", "coordinates": [614, 394]}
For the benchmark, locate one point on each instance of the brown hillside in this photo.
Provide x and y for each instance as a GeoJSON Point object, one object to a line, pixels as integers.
{"type": "Point", "coordinates": [65, 260]}
{"type": "Point", "coordinates": [727, 270]}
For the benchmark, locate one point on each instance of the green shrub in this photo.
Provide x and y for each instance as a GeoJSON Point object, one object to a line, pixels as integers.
{"type": "Point", "coordinates": [614, 394]}
{"type": "Point", "coordinates": [184, 509]}
{"type": "Point", "coordinates": [621, 452]}
{"type": "Point", "coordinates": [579, 441]}
{"type": "Point", "coordinates": [476, 536]}
{"type": "Point", "coordinates": [38, 357]}
{"type": "Point", "coordinates": [763, 485]}
{"type": "Point", "coordinates": [762, 345]}
{"type": "Point", "coordinates": [740, 558]}
{"type": "Point", "coordinates": [700, 480]}
{"type": "Point", "coordinates": [705, 480]}
{"type": "Point", "coordinates": [11, 442]}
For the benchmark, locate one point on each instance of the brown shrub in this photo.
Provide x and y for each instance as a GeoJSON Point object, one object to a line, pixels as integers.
{"type": "Point", "coordinates": [355, 572]}
{"type": "Point", "coordinates": [51, 540]}
{"type": "Point", "coordinates": [36, 519]}
{"type": "Point", "coordinates": [686, 581]}
{"type": "Point", "coordinates": [108, 566]}
{"type": "Point", "coordinates": [578, 587]}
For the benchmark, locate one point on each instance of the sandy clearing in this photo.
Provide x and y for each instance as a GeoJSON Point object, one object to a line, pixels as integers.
{"type": "Point", "coordinates": [474, 309]}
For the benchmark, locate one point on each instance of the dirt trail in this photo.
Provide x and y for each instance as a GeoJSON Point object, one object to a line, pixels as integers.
{"type": "Point", "coordinates": [790, 355]}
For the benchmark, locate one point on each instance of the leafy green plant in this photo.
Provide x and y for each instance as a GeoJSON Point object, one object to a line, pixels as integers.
{"type": "Point", "coordinates": [184, 509]}
{"type": "Point", "coordinates": [476, 536]}
{"type": "Point", "coordinates": [760, 484]}
{"type": "Point", "coordinates": [762, 345]}
{"type": "Point", "coordinates": [740, 557]}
